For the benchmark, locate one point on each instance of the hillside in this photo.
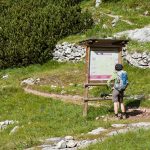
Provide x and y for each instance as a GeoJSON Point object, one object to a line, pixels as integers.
{"type": "Point", "coordinates": [129, 15]}
{"type": "Point", "coordinates": [36, 118]}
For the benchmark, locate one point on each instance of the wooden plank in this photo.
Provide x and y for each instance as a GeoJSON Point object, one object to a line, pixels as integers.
{"type": "Point", "coordinates": [85, 103]}
{"type": "Point", "coordinates": [120, 55]}
{"type": "Point", "coordinates": [97, 98]}
{"type": "Point", "coordinates": [96, 84]}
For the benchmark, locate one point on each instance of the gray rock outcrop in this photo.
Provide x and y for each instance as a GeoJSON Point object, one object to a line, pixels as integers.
{"type": "Point", "coordinates": [140, 35]}
{"type": "Point", "coordinates": [141, 60]}
{"type": "Point", "coordinates": [68, 52]}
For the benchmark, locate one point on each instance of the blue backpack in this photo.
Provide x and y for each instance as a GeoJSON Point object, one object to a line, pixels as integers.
{"type": "Point", "coordinates": [122, 81]}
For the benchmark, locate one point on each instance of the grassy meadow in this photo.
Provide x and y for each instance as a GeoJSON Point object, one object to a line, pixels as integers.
{"type": "Point", "coordinates": [39, 118]}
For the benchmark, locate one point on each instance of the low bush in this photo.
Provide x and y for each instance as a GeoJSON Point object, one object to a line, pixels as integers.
{"type": "Point", "coordinates": [30, 29]}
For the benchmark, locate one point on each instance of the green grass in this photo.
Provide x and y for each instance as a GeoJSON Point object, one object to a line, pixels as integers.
{"type": "Point", "coordinates": [43, 117]}
{"type": "Point", "coordinates": [131, 141]}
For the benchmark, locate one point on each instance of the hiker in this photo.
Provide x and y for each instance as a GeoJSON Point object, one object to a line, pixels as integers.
{"type": "Point", "coordinates": [120, 82]}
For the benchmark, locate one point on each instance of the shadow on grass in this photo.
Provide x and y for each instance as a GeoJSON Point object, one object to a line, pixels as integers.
{"type": "Point", "coordinates": [133, 104]}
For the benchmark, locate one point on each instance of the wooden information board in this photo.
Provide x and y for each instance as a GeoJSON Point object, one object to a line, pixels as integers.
{"type": "Point", "coordinates": [101, 57]}
{"type": "Point", "coordinates": [102, 62]}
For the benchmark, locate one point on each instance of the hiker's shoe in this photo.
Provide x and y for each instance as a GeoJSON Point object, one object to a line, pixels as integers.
{"type": "Point", "coordinates": [116, 117]}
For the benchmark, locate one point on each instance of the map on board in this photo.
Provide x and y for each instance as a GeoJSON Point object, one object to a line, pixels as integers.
{"type": "Point", "coordinates": [102, 64]}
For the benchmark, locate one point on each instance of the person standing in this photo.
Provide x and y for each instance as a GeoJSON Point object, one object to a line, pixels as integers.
{"type": "Point", "coordinates": [120, 82]}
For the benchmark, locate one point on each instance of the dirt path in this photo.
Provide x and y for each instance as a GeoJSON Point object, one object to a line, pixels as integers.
{"type": "Point", "coordinates": [114, 16]}
{"type": "Point", "coordinates": [65, 98]}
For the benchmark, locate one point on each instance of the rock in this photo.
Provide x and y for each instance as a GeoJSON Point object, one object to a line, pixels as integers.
{"type": "Point", "coordinates": [146, 13]}
{"type": "Point", "coordinates": [15, 129]}
{"type": "Point", "coordinates": [136, 55]}
{"type": "Point", "coordinates": [118, 125]}
{"type": "Point", "coordinates": [144, 55]}
{"type": "Point", "coordinates": [4, 124]}
{"type": "Point", "coordinates": [61, 144]}
{"type": "Point", "coordinates": [29, 81]}
{"type": "Point", "coordinates": [69, 138]}
{"type": "Point", "coordinates": [112, 133]}
{"type": "Point", "coordinates": [3, 127]}
{"type": "Point", "coordinates": [104, 26]}
{"type": "Point", "coordinates": [54, 139]}
{"type": "Point", "coordinates": [141, 35]}
{"type": "Point", "coordinates": [97, 3]}
{"type": "Point", "coordinates": [68, 52]}
{"type": "Point", "coordinates": [5, 76]}
{"type": "Point", "coordinates": [123, 130]}
{"type": "Point", "coordinates": [71, 144]}
{"type": "Point", "coordinates": [140, 124]}
{"type": "Point", "coordinates": [140, 60]}
{"type": "Point", "coordinates": [116, 19]}
{"type": "Point", "coordinates": [53, 86]}
{"type": "Point", "coordinates": [142, 63]}
{"type": "Point", "coordinates": [63, 92]}
{"type": "Point", "coordinates": [97, 131]}
{"type": "Point", "coordinates": [86, 143]}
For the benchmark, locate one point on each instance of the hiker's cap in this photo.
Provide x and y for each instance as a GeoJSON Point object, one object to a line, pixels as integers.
{"type": "Point", "coordinates": [118, 67]}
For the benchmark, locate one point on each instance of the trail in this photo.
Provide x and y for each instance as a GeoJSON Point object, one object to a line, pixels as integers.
{"type": "Point", "coordinates": [65, 98]}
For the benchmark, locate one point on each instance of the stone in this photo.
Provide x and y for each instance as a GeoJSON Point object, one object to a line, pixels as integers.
{"type": "Point", "coordinates": [71, 144]}
{"type": "Point", "coordinates": [97, 3]}
{"type": "Point", "coordinates": [104, 26]}
{"type": "Point", "coordinates": [63, 92]}
{"type": "Point", "coordinates": [3, 127]}
{"type": "Point", "coordinates": [53, 86]}
{"type": "Point", "coordinates": [15, 129]}
{"type": "Point", "coordinates": [54, 139]}
{"type": "Point", "coordinates": [69, 138]}
{"type": "Point", "coordinates": [136, 55]}
{"type": "Point", "coordinates": [140, 35]}
{"type": "Point", "coordinates": [146, 13]}
{"type": "Point", "coordinates": [5, 76]}
{"type": "Point", "coordinates": [29, 81]}
{"type": "Point", "coordinates": [123, 130]}
{"type": "Point", "coordinates": [118, 125]}
{"type": "Point", "coordinates": [142, 63]}
{"type": "Point", "coordinates": [116, 19]}
{"type": "Point", "coordinates": [97, 131]}
{"type": "Point", "coordinates": [139, 124]}
{"type": "Point", "coordinates": [112, 133]}
{"type": "Point", "coordinates": [7, 122]}
{"type": "Point", "coordinates": [61, 144]}
{"type": "Point", "coordinates": [86, 143]}
{"type": "Point", "coordinates": [68, 50]}
{"type": "Point", "coordinates": [144, 55]}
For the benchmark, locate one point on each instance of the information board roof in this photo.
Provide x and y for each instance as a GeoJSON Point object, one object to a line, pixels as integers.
{"type": "Point", "coordinates": [104, 42]}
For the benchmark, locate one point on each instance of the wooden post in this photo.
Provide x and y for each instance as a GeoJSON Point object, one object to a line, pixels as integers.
{"type": "Point", "coordinates": [120, 55]}
{"type": "Point", "coordinates": [85, 102]}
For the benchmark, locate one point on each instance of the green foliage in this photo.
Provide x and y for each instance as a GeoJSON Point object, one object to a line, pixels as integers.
{"type": "Point", "coordinates": [30, 29]}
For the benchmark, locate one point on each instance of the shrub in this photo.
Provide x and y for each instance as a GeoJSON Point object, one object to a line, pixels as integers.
{"type": "Point", "coordinates": [31, 28]}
